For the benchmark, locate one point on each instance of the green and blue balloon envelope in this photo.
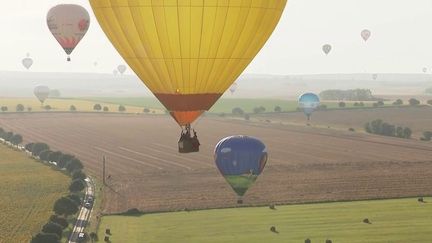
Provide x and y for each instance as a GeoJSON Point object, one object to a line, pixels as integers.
{"type": "Point", "coordinates": [309, 102]}
{"type": "Point", "coordinates": [240, 159]}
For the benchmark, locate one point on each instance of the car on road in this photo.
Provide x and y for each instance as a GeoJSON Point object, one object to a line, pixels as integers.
{"type": "Point", "coordinates": [81, 237]}
{"type": "Point", "coordinates": [88, 205]}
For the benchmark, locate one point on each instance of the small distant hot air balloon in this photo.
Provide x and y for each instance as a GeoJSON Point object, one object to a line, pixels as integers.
{"type": "Point", "coordinates": [425, 69]}
{"type": "Point", "coordinates": [309, 102]}
{"type": "Point", "coordinates": [240, 160]}
{"type": "Point", "coordinates": [68, 23]}
{"type": "Point", "coordinates": [42, 93]}
{"type": "Point", "coordinates": [374, 76]}
{"type": "Point", "coordinates": [95, 64]}
{"type": "Point", "coordinates": [188, 57]}
{"type": "Point", "coordinates": [121, 68]}
{"type": "Point", "coordinates": [365, 34]}
{"type": "Point", "coordinates": [327, 48]}
{"type": "Point", "coordinates": [233, 88]}
{"type": "Point", "coordinates": [27, 62]}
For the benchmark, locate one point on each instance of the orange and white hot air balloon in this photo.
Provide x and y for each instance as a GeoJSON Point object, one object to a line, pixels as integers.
{"type": "Point", "coordinates": [68, 23]}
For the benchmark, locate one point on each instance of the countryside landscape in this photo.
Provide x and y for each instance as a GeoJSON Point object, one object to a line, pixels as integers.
{"type": "Point", "coordinates": [207, 122]}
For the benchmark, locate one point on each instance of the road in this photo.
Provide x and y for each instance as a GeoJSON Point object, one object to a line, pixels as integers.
{"type": "Point", "coordinates": [84, 214]}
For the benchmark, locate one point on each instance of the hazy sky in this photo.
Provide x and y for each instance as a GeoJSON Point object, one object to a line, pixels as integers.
{"type": "Point", "coordinates": [401, 38]}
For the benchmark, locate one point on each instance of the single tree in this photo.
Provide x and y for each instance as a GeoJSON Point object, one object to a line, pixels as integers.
{"type": "Point", "coordinates": [47, 107]}
{"type": "Point", "coordinates": [45, 238]}
{"type": "Point", "coordinates": [146, 110]}
{"type": "Point", "coordinates": [400, 132]}
{"type": "Point", "coordinates": [342, 104]}
{"type": "Point", "coordinates": [39, 147]}
{"type": "Point", "coordinates": [64, 159]}
{"type": "Point", "coordinates": [78, 174]}
{"type": "Point", "coordinates": [4, 108]}
{"type": "Point", "coordinates": [59, 220]}
{"type": "Point", "coordinates": [8, 136]}
{"type": "Point", "coordinates": [237, 111]}
{"type": "Point", "coordinates": [72, 108]}
{"type": "Point", "coordinates": [65, 206]}
{"type": "Point", "coordinates": [75, 198]}
{"type": "Point", "coordinates": [121, 108]}
{"type": "Point", "coordinates": [277, 109]}
{"type": "Point", "coordinates": [73, 165]}
{"type": "Point", "coordinates": [398, 102]}
{"type": "Point", "coordinates": [53, 228]}
{"type": "Point", "coordinates": [16, 139]}
{"type": "Point", "coordinates": [97, 107]}
{"type": "Point", "coordinates": [380, 103]}
{"type": "Point", "coordinates": [247, 117]}
{"type": "Point", "coordinates": [29, 147]}
{"type": "Point", "coordinates": [45, 154]}
{"type": "Point", "coordinates": [20, 108]}
{"type": "Point", "coordinates": [29, 109]}
{"type": "Point", "coordinates": [427, 136]}
{"type": "Point", "coordinates": [414, 102]}
{"type": "Point", "coordinates": [55, 156]}
{"type": "Point", "coordinates": [77, 186]}
{"type": "Point", "coordinates": [407, 133]}
{"type": "Point", "coordinates": [105, 109]}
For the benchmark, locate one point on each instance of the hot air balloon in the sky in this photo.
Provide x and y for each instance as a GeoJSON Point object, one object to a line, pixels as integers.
{"type": "Point", "coordinates": [366, 34]}
{"type": "Point", "coordinates": [233, 88]}
{"type": "Point", "coordinates": [188, 56]}
{"type": "Point", "coordinates": [27, 62]}
{"type": "Point", "coordinates": [327, 48]}
{"type": "Point", "coordinates": [425, 69]}
{"type": "Point", "coordinates": [309, 102]}
{"type": "Point", "coordinates": [121, 69]}
{"type": "Point", "coordinates": [240, 159]}
{"type": "Point", "coordinates": [374, 76]}
{"type": "Point", "coordinates": [68, 23]}
{"type": "Point", "coordinates": [42, 93]}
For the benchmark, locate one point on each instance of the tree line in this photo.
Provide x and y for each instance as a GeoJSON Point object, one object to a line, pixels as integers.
{"type": "Point", "coordinates": [351, 95]}
{"type": "Point", "coordinates": [380, 127]}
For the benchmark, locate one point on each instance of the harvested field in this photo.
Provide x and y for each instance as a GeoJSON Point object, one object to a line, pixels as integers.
{"type": "Point", "coordinates": [306, 164]}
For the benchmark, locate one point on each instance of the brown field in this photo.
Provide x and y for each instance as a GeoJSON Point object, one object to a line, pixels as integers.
{"type": "Point", "coordinates": [306, 164]}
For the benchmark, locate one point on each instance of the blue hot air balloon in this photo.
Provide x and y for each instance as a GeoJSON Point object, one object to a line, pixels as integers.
{"type": "Point", "coordinates": [240, 159]}
{"type": "Point", "coordinates": [309, 102]}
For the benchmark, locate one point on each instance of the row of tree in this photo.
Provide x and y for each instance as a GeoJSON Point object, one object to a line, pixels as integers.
{"type": "Point", "coordinates": [65, 206]}
{"type": "Point", "coordinates": [98, 107]}
{"type": "Point", "coordinates": [10, 137]}
{"type": "Point", "coordinates": [380, 127]}
{"type": "Point", "coordinates": [351, 94]}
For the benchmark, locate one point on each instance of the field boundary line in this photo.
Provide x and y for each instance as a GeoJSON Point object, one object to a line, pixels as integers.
{"type": "Point", "coordinates": [128, 158]}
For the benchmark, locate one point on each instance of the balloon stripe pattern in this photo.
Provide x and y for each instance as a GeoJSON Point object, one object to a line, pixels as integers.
{"type": "Point", "coordinates": [240, 159]}
{"type": "Point", "coordinates": [188, 52]}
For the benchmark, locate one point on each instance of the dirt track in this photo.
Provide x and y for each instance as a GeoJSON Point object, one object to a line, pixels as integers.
{"type": "Point", "coordinates": [306, 164]}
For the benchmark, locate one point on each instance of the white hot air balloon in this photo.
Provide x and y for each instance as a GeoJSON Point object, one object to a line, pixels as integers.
{"type": "Point", "coordinates": [42, 93]}
{"type": "Point", "coordinates": [233, 88]}
{"type": "Point", "coordinates": [366, 34]}
{"type": "Point", "coordinates": [121, 69]}
{"type": "Point", "coordinates": [68, 23]}
{"type": "Point", "coordinates": [327, 48]}
{"type": "Point", "coordinates": [27, 62]}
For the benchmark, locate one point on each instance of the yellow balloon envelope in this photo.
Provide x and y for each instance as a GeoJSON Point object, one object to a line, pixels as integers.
{"type": "Point", "coordinates": [188, 52]}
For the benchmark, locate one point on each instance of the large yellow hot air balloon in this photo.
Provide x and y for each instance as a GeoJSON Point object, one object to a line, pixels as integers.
{"type": "Point", "coordinates": [188, 52]}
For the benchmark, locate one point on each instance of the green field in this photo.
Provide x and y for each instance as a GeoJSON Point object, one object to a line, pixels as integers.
{"type": "Point", "coordinates": [223, 105]}
{"type": "Point", "coordinates": [27, 193]}
{"type": "Point", "coordinates": [400, 220]}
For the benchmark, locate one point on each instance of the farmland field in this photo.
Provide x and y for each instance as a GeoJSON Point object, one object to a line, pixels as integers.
{"type": "Point", "coordinates": [419, 119]}
{"type": "Point", "coordinates": [63, 105]}
{"type": "Point", "coordinates": [402, 220]}
{"type": "Point", "coordinates": [307, 164]}
{"type": "Point", "coordinates": [27, 193]}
